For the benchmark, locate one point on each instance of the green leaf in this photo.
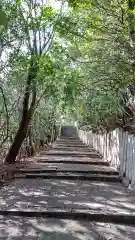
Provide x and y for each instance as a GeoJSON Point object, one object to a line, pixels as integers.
{"type": "Point", "coordinates": [3, 18]}
{"type": "Point", "coordinates": [79, 3]}
{"type": "Point", "coordinates": [47, 12]}
{"type": "Point", "coordinates": [18, 1]}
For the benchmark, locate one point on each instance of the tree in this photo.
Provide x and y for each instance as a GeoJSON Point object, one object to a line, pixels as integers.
{"type": "Point", "coordinates": [35, 24]}
{"type": "Point", "coordinates": [104, 51]}
{"type": "Point", "coordinates": [95, 45]}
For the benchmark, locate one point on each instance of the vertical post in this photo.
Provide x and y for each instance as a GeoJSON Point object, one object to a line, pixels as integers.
{"type": "Point", "coordinates": [133, 160]}
{"type": "Point", "coordinates": [125, 153]}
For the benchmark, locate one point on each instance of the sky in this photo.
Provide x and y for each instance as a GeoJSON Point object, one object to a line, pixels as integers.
{"type": "Point", "coordinates": [54, 3]}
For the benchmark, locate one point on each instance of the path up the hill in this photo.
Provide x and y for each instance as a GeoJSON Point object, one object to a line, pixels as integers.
{"type": "Point", "coordinates": [69, 193]}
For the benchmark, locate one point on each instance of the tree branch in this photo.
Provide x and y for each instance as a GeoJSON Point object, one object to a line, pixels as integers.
{"type": "Point", "coordinates": [7, 116]}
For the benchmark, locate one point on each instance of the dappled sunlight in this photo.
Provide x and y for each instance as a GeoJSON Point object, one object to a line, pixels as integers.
{"type": "Point", "coordinates": [47, 158]}
{"type": "Point", "coordinates": [47, 227]}
{"type": "Point", "coordinates": [26, 192]}
{"type": "Point", "coordinates": [89, 205]}
{"type": "Point", "coordinates": [57, 196]}
{"type": "Point", "coordinates": [13, 228]}
{"type": "Point", "coordinates": [63, 228]}
{"type": "Point", "coordinates": [19, 228]}
{"type": "Point", "coordinates": [13, 232]}
{"type": "Point", "coordinates": [68, 182]}
{"type": "Point", "coordinates": [40, 195]}
{"type": "Point", "coordinates": [129, 205]}
{"type": "Point", "coordinates": [115, 231]}
{"type": "Point", "coordinates": [67, 104]}
{"type": "Point", "coordinates": [33, 229]}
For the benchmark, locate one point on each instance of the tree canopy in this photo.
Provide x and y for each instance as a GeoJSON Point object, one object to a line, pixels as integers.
{"type": "Point", "coordinates": [71, 60]}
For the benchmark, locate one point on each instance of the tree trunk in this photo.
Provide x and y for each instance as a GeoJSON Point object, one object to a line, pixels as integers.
{"type": "Point", "coordinates": [131, 19]}
{"type": "Point", "coordinates": [55, 132]}
{"type": "Point", "coordinates": [52, 134]}
{"type": "Point", "coordinates": [31, 146]}
{"type": "Point", "coordinates": [27, 113]}
{"type": "Point", "coordinates": [18, 140]}
{"type": "Point", "coordinates": [21, 133]}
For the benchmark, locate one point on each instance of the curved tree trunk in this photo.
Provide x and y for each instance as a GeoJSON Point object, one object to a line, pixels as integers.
{"type": "Point", "coordinates": [18, 140]}
{"type": "Point", "coordinates": [20, 135]}
{"type": "Point", "coordinates": [27, 114]}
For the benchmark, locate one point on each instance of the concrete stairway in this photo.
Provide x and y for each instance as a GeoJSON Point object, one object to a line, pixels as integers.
{"type": "Point", "coordinates": [79, 162]}
{"type": "Point", "coordinates": [70, 182]}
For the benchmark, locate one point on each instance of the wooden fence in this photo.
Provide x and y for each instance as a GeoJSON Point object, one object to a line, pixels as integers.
{"type": "Point", "coordinates": [116, 147]}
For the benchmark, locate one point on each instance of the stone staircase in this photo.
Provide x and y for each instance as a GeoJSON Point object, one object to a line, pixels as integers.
{"type": "Point", "coordinates": [77, 162]}
{"type": "Point", "coordinates": [70, 182]}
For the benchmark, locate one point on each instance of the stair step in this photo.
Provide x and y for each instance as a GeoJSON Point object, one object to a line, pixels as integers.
{"type": "Point", "coordinates": [77, 154]}
{"type": "Point", "coordinates": [75, 214]}
{"type": "Point", "coordinates": [73, 149]}
{"type": "Point", "coordinates": [91, 177]}
{"type": "Point", "coordinates": [70, 141]}
{"type": "Point", "coordinates": [71, 145]}
{"type": "Point", "coordinates": [55, 170]}
{"type": "Point", "coordinates": [69, 138]}
{"type": "Point", "coordinates": [90, 162]}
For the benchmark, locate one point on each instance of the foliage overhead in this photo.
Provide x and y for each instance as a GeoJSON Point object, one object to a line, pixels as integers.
{"type": "Point", "coordinates": [71, 60]}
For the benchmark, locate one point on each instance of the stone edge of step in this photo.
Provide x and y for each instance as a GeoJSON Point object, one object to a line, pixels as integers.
{"type": "Point", "coordinates": [89, 162]}
{"type": "Point", "coordinates": [95, 178]}
{"type": "Point", "coordinates": [70, 171]}
{"type": "Point", "coordinates": [128, 219]}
